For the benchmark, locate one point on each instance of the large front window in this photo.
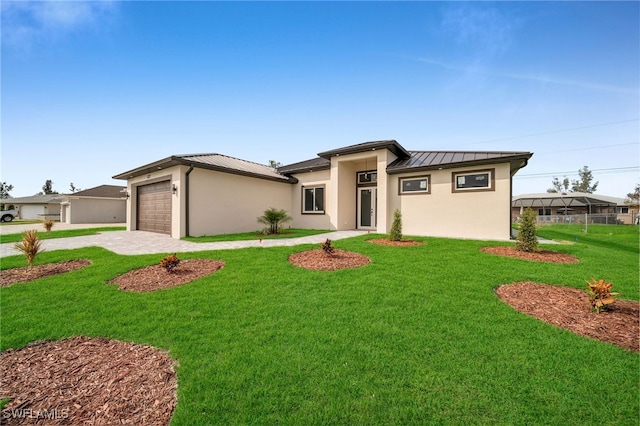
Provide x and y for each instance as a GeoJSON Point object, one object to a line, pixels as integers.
{"type": "Point", "coordinates": [313, 200]}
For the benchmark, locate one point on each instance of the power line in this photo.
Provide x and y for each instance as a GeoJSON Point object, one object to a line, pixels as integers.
{"type": "Point", "coordinates": [550, 132]}
{"type": "Point", "coordinates": [587, 148]}
{"type": "Point", "coordinates": [572, 173]}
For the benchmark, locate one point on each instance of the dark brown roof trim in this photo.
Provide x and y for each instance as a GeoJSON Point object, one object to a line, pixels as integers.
{"type": "Point", "coordinates": [438, 160]}
{"type": "Point", "coordinates": [312, 165]}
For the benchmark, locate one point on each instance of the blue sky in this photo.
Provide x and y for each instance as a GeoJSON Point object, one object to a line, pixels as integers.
{"type": "Point", "coordinates": [92, 89]}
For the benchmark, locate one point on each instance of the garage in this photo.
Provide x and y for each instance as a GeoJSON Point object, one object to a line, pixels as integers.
{"type": "Point", "coordinates": [154, 207]}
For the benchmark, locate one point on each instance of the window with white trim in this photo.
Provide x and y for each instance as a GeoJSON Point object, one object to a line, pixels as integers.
{"type": "Point", "coordinates": [477, 180]}
{"type": "Point", "coordinates": [313, 199]}
{"type": "Point", "coordinates": [414, 185]}
{"type": "Point", "coordinates": [544, 212]}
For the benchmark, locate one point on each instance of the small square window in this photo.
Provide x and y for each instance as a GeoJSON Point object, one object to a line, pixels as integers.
{"type": "Point", "coordinates": [414, 185]}
{"type": "Point", "coordinates": [313, 200]}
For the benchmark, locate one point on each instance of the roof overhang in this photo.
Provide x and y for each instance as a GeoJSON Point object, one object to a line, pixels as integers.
{"type": "Point", "coordinates": [173, 161]}
{"type": "Point", "coordinates": [560, 200]}
{"type": "Point", "coordinates": [516, 161]}
{"type": "Point", "coordinates": [391, 145]}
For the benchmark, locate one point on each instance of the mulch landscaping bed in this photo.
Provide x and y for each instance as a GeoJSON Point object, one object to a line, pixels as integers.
{"type": "Point", "coordinates": [569, 308]}
{"type": "Point", "coordinates": [155, 277]}
{"type": "Point", "coordinates": [388, 242]}
{"type": "Point", "coordinates": [319, 260]}
{"type": "Point", "coordinates": [20, 275]}
{"type": "Point", "coordinates": [539, 256]}
{"type": "Point", "coordinates": [88, 381]}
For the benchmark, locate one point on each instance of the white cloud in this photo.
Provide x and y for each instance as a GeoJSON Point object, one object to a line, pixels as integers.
{"type": "Point", "coordinates": [484, 30]}
{"type": "Point", "coordinates": [27, 23]}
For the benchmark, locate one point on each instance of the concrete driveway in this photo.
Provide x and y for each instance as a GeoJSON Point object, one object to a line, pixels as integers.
{"type": "Point", "coordinates": [141, 242]}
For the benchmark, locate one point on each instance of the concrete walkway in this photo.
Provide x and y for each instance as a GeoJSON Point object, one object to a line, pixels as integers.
{"type": "Point", "coordinates": [140, 242]}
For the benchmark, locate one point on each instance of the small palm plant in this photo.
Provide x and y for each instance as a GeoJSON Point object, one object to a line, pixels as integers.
{"type": "Point", "coordinates": [274, 218]}
{"type": "Point", "coordinates": [48, 224]}
{"type": "Point", "coordinates": [30, 245]}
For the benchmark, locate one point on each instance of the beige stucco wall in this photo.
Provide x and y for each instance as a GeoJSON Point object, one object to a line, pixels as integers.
{"type": "Point", "coordinates": [174, 175]}
{"type": "Point", "coordinates": [311, 221]}
{"type": "Point", "coordinates": [94, 210]}
{"type": "Point", "coordinates": [223, 203]}
{"type": "Point", "coordinates": [443, 213]}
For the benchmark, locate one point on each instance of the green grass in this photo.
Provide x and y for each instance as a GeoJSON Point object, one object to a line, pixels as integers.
{"type": "Point", "coordinates": [42, 234]}
{"type": "Point", "coordinates": [286, 233]}
{"type": "Point", "coordinates": [416, 337]}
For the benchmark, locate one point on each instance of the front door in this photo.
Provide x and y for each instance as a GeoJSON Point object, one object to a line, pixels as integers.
{"type": "Point", "coordinates": [367, 200]}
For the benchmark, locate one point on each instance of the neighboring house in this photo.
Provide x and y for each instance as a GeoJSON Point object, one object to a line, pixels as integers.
{"type": "Point", "coordinates": [447, 194]}
{"type": "Point", "coordinates": [549, 206]}
{"type": "Point", "coordinates": [36, 207]}
{"type": "Point", "coordinates": [102, 204]}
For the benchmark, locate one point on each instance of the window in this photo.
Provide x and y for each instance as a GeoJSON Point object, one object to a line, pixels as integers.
{"type": "Point", "coordinates": [414, 185]}
{"type": "Point", "coordinates": [544, 212]}
{"type": "Point", "coordinates": [478, 180]}
{"type": "Point", "coordinates": [623, 210]}
{"type": "Point", "coordinates": [367, 177]}
{"type": "Point", "coordinates": [313, 200]}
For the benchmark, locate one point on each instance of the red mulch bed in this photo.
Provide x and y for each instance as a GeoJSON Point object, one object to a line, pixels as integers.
{"type": "Point", "coordinates": [20, 275]}
{"type": "Point", "coordinates": [388, 242]}
{"type": "Point", "coordinates": [319, 260]}
{"type": "Point", "coordinates": [539, 256]}
{"type": "Point", "coordinates": [89, 381]}
{"type": "Point", "coordinates": [569, 308]}
{"type": "Point", "coordinates": [155, 277]}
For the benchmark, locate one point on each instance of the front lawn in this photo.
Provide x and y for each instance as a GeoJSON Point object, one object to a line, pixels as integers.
{"type": "Point", "coordinates": [43, 235]}
{"type": "Point", "coordinates": [415, 337]}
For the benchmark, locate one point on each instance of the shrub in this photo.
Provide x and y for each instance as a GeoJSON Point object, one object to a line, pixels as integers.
{"type": "Point", "coordinates": [327, 247]}
{"type": "Point", "coordinates": [396, 226]}
{"type": "Point", "coordinates": [527, 239]}
{"type": "Point", "coordinates": [30, 245]}
{"type": "Point", "coordinates": [170, 262]}
{"type": "Point", "coordinates": [48, 224]}
{"type": "Point", "coordinates": [600, 294]}
{"type": "Point", "coordinates": [273, 218]}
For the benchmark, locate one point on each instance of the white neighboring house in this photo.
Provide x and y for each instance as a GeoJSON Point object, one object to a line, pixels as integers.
{"type": "Point", "coordinates": [36, 207]}
{"type": "Point", "coordinates": [102, 204]}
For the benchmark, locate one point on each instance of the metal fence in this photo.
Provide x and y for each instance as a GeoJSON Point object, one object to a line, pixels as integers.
{"type": "Point", "coordinates": [589, 219]}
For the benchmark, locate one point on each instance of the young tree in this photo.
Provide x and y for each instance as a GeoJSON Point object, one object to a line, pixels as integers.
{"type": "Point", "coordinates": [527, 239]}
{"type": "Point", "coordinates": [558, 186]}
{"type": "Point", "coordinates": [4, 192]}
{"type": "Point", "coordinates": [274, 218]}
{"type": "Point", "coordinates": [396, 227]}
{"type": "Point", "coordinates": [47, 188]}
{"type": "Point", "coordinates": [5, 189]}
{"type": "Point", "coordinates": [633, 198]}
{"type": "Point", "coordinates": [584, 183]}
{"type": "Point", "coordinates": [274, 164]}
